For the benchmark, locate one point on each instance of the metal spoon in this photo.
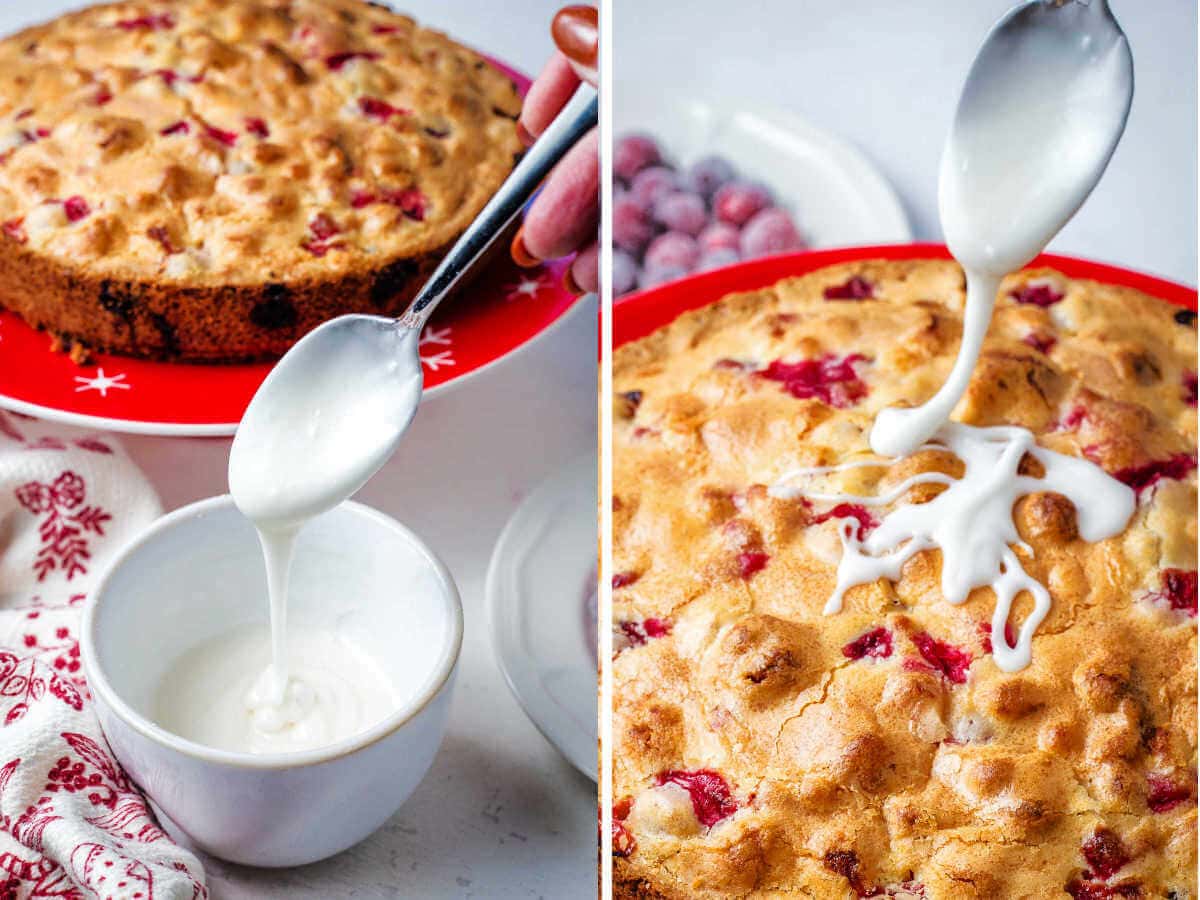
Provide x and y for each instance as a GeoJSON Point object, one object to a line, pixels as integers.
{"type": "Point", "coordinates": [351, 387]}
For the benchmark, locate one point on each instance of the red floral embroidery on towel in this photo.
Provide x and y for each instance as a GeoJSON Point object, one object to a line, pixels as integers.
{"type": "Point", "coordinates": [67, 521]}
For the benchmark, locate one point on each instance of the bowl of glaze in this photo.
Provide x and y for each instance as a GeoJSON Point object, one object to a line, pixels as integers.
{"type": "Point", "coordinates": [198, 573]}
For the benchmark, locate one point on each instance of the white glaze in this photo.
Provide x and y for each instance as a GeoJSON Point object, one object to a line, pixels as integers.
{"type": "Point", "coordinates": [1027, 147]}
{"type": "Point", "coordinates": [222, 694]}
{"type": "Point", "coordinates": [971, 522]}
{"type": "Point", "coordinates": [321, 425]}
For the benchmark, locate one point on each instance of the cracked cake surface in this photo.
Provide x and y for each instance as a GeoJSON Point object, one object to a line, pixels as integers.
{"type": "Point", "coordinates": [210, 179]}
{"type": "Point", "coordinates": [763, 749]}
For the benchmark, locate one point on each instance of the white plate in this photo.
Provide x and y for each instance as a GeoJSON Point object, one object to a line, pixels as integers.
{"type": "Point", "coordinates": [838, 197]}
{"type": "Point", "coordinates": [541, 590]}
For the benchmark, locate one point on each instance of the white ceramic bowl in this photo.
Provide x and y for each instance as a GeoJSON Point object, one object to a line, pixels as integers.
{"type": "Point", "coordinates": [198, 573]}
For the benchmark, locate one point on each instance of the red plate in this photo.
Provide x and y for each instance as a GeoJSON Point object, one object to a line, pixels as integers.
{"type": "Point", "coordinates": [503, 309]}
{"type": "Point", "coordinates": [636, 315]}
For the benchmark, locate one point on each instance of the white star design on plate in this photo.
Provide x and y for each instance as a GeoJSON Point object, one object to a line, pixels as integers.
{"type": "Point", "coordinates": [526, 287]}
{"type": "Point", "coordinates": [101, 383]}
{"type": "Point", "coordinates": [437, 360]}
{"type": "Point", "coordinates": [433, 335]}
{"type": "Point", "coordinates": [439, 337]}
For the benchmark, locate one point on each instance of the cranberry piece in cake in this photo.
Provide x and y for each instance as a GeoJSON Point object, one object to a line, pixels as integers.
{"type": "Point", "coordinates": [409, 201]}
{"type": "Point", "coordinates": [875, 644]}
{"type": "Point", "coordinates": [1098, 890]}
{"type": "Point", "coordinates": [711, 798]}
{"type": "Point", "coordinates": [1178, 590]}
{"type": "Point", "coordinates": [1189, 388]}
{"type": "Point", "coordinates": [1037, 293]}
{"type": "Point", "coordinates": [179, 127]}
{"type": "Point", "coordinates": [336, 61]}
{"type": "Point", "coordinates": [159, 22]}
{"type": "Point", "coordinates": [14, 230]}
{"type": "Point", "coordinates": [258, 127]}
{"type": "Point", "coordinates": [866, 524]}
{"type": "Point", "coordinates": [639, 632]}
{"type": "Point", "coordinates": [856, 288]}
{"type": "Point", "coordinates": [623, 843]}
{"type": "Point", "coordinates": [1164, 793]}
{"type": "Point", "coordinates": [1149, 474]}
{"type": "Point", "coordinates": [830, 379]}
{"type": "Point", "coordinates": [222, 137]}
{"type": "Point", "coordinates": [846, 864]}
{"type": "Point", "coordinates": [1042, 343]}
{"type": "Point", "coordinates": [375, 108]}
{"type": "Point", "coordinates": [952, 662]}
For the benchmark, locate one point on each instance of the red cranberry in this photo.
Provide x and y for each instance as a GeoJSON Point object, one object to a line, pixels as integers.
{"type": "Point", "coordinates": [1178, 590]}
{"type": "Point", "coordinates": [323, 227]}
{"type": "Point", "coordinates": [1163, 793]}
{"type": "Point", "coordinates": [103, 96]}
{"type": "Point", "coordinates": [227, 138]}
{"type": "Point", "coordinates": [23, 114]}
{"type": "Point", "coordinates": [737, 202]}
{"type": "Point", "coordinates": [375, 108]}
{"type": "Point", "coordinates": [1149, 474]}
{"type": "Point", "coordinates": [770, 232]}
{"type": "Point", "coordinates": [876, 644]}
{"type": "Point", "coordinates": [338, 60]}
{"type": "Point", "coordinates": [1104, 853]}
{"type": "Point", "coordinates": [1042, 343]}
{"type": "Point", "coordinates": [1189, 389]}
{"type": "Point", "coordinates": [632, 153]}
{"type": "Point", "coordinates": [163, 236]}
{"type": "Point", "coordinates": [857, 288]}
{"type": "Point", "coordinates": [640, 632]}
{"type": "Point", "coordinates": [945, 658]}
{"type": "Point", "coordinates": [180, 127]}
{"type": "Point", "coordinates": [384, 29]}
{"type": "Point", "coordinates": [360, 198]}
{"type": "Point", "coordinates": [624, 579]}
{"type": "Point", "coordinates": [410, 201]}
{"type": "Point", "coordinates": [719, 236]}
{"type": "Point", "coordinates": [76, 208]}
{"type": "Point", "coordinates": [632, 229]}
{"type": "Point", "coordinates": [866, 524]}
{"type": "Point", "coordinates": [846, 864]}
{"type": "Point", "coordinates": [681, 212]}
{"type": "Point", "coordinates": [258, 127]}
{"type": "Point", "coordinates": [751, 563]}
{"type": "Point", "coordinates": [1096, 890]}
{"type": "Point", "coordinates": [985, 629]}
{"type": "Point", "coordinates": [160, 22]}
{"type": "Point", "coordinates": [672, 250]}
{"type": "Point", "coordinates": [169, 76]}
{"type": "Point", "coordinates": [652, 183]}
{"type": "Point", "coordinates": [1041, 294]}
{"type": "Point", "coordinates": [712, 800]}
{"type": "Point", "coordinates": [830, 379]}
{"type": "Point", "coordinates": [14, 230]}
{"type": "Point", "coordinates": [1072, 419]}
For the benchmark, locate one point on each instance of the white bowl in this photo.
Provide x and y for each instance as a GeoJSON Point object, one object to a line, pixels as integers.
{"type": "Point", "coordinates": [198, 573]}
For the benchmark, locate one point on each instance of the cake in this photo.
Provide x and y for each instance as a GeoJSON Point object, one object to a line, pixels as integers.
{"type": "Point", "coordinates": [764, 749]}
{"type": "Point", "coordinates": [210, 179]}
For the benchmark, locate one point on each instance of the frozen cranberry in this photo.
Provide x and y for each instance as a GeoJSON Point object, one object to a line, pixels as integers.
{"type": "Point", "coordinates": [769, 232]}
{"type": "Point", "coordinates": [1163, 793]}
{"type": "Point", "coordinates": [1149, 474]}
{"type": "Point", "coordinates": [1104, 853]}
{"type": "Point", "coordinates": [857, 288]}
{"type": "Point", "coordinates": [716, 259]}
{"type": "Point", "coordinates": [1037, 293]}
{"type": "Point", "coordinates": [1178, 590]}
{"type": "Point", "coordinates": [1042, 343]}
{"type": "Point", "coordinates": [227, 138]}
{"type": "Point", "coordinates": [738, 201]}
{"type": "Point", "coordinates": [830, 379]}
{"type": "Point", "coordinates": [751, 563]}
{"type": "Point", "coordinates": [711, 798]}
{"type": "Point", "coordinates": [650, 184]}
{"type": "Point", "coordinates": [1189, 389]}
{"type": "Point", "coordinates": [160, 22]}
{"type": "Point", "coordinates": [632, 229]}
{"type": "Point", "coordinates": [14, 230]}
{"type": "Point", "coordinates": [951, 661]}
{"type": "Point", "coordinates": [180, 127]}
{"type": "Point", "coordinates": [876, 644]}
{"type": "Point", "coordinates": [76, 208]}
{"type": "Point", "coordinates": [374, 108]}
{"type": "Point", "coordinates": [624, 579]}
{"type": "Point", "coordinates": [866, 523]}
{"type": "Point", "coordinates": [672, 250]}
{"type": "Point", "coordinates": [681, 212]}
{"type": "Point", "coordinates": [705, 175]}
{"type": "Point", "coordinates": [335, 62]}
{"type": "Point", "coordinates": [632, 153]}
{"type": "Point", "coordinates": [720, 236]}
{"type": "Point", "coordinates": [258, 127]}
{"type": "Point", "coordinates": [653, 276]}
{"type": "Point", "coordinates": [624, 272]}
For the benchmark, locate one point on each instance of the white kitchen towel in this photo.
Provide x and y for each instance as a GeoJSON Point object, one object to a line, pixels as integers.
{"type": "Point", "coordinates": [72, 824]}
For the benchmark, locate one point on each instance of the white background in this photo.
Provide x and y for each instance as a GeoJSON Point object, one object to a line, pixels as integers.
{"type": "Point", "coordinates": [886, 75]}
{"type": "Point", "coordinates": [500, 815]}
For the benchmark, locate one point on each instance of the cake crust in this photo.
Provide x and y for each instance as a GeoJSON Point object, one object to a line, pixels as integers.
{"type": "Point", "coordinates": [763, 749]}
{"type": "Point", "coordinates": [210, 179]}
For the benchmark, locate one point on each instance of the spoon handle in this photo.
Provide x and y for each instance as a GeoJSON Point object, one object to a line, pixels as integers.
{"type": "Point", "coordinates": [576, 118]}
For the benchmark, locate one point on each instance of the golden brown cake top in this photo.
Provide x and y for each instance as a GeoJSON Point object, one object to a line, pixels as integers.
{"type": "Point", "coordinates": [245, 141]}
{"type": "Point", "coordinates": [765, 749]}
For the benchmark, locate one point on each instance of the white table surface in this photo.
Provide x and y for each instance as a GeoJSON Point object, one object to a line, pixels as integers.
{"type": "Point", "coordinates": [500, 815]}
{"type": "Point", "coordinates": [887, 76]}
